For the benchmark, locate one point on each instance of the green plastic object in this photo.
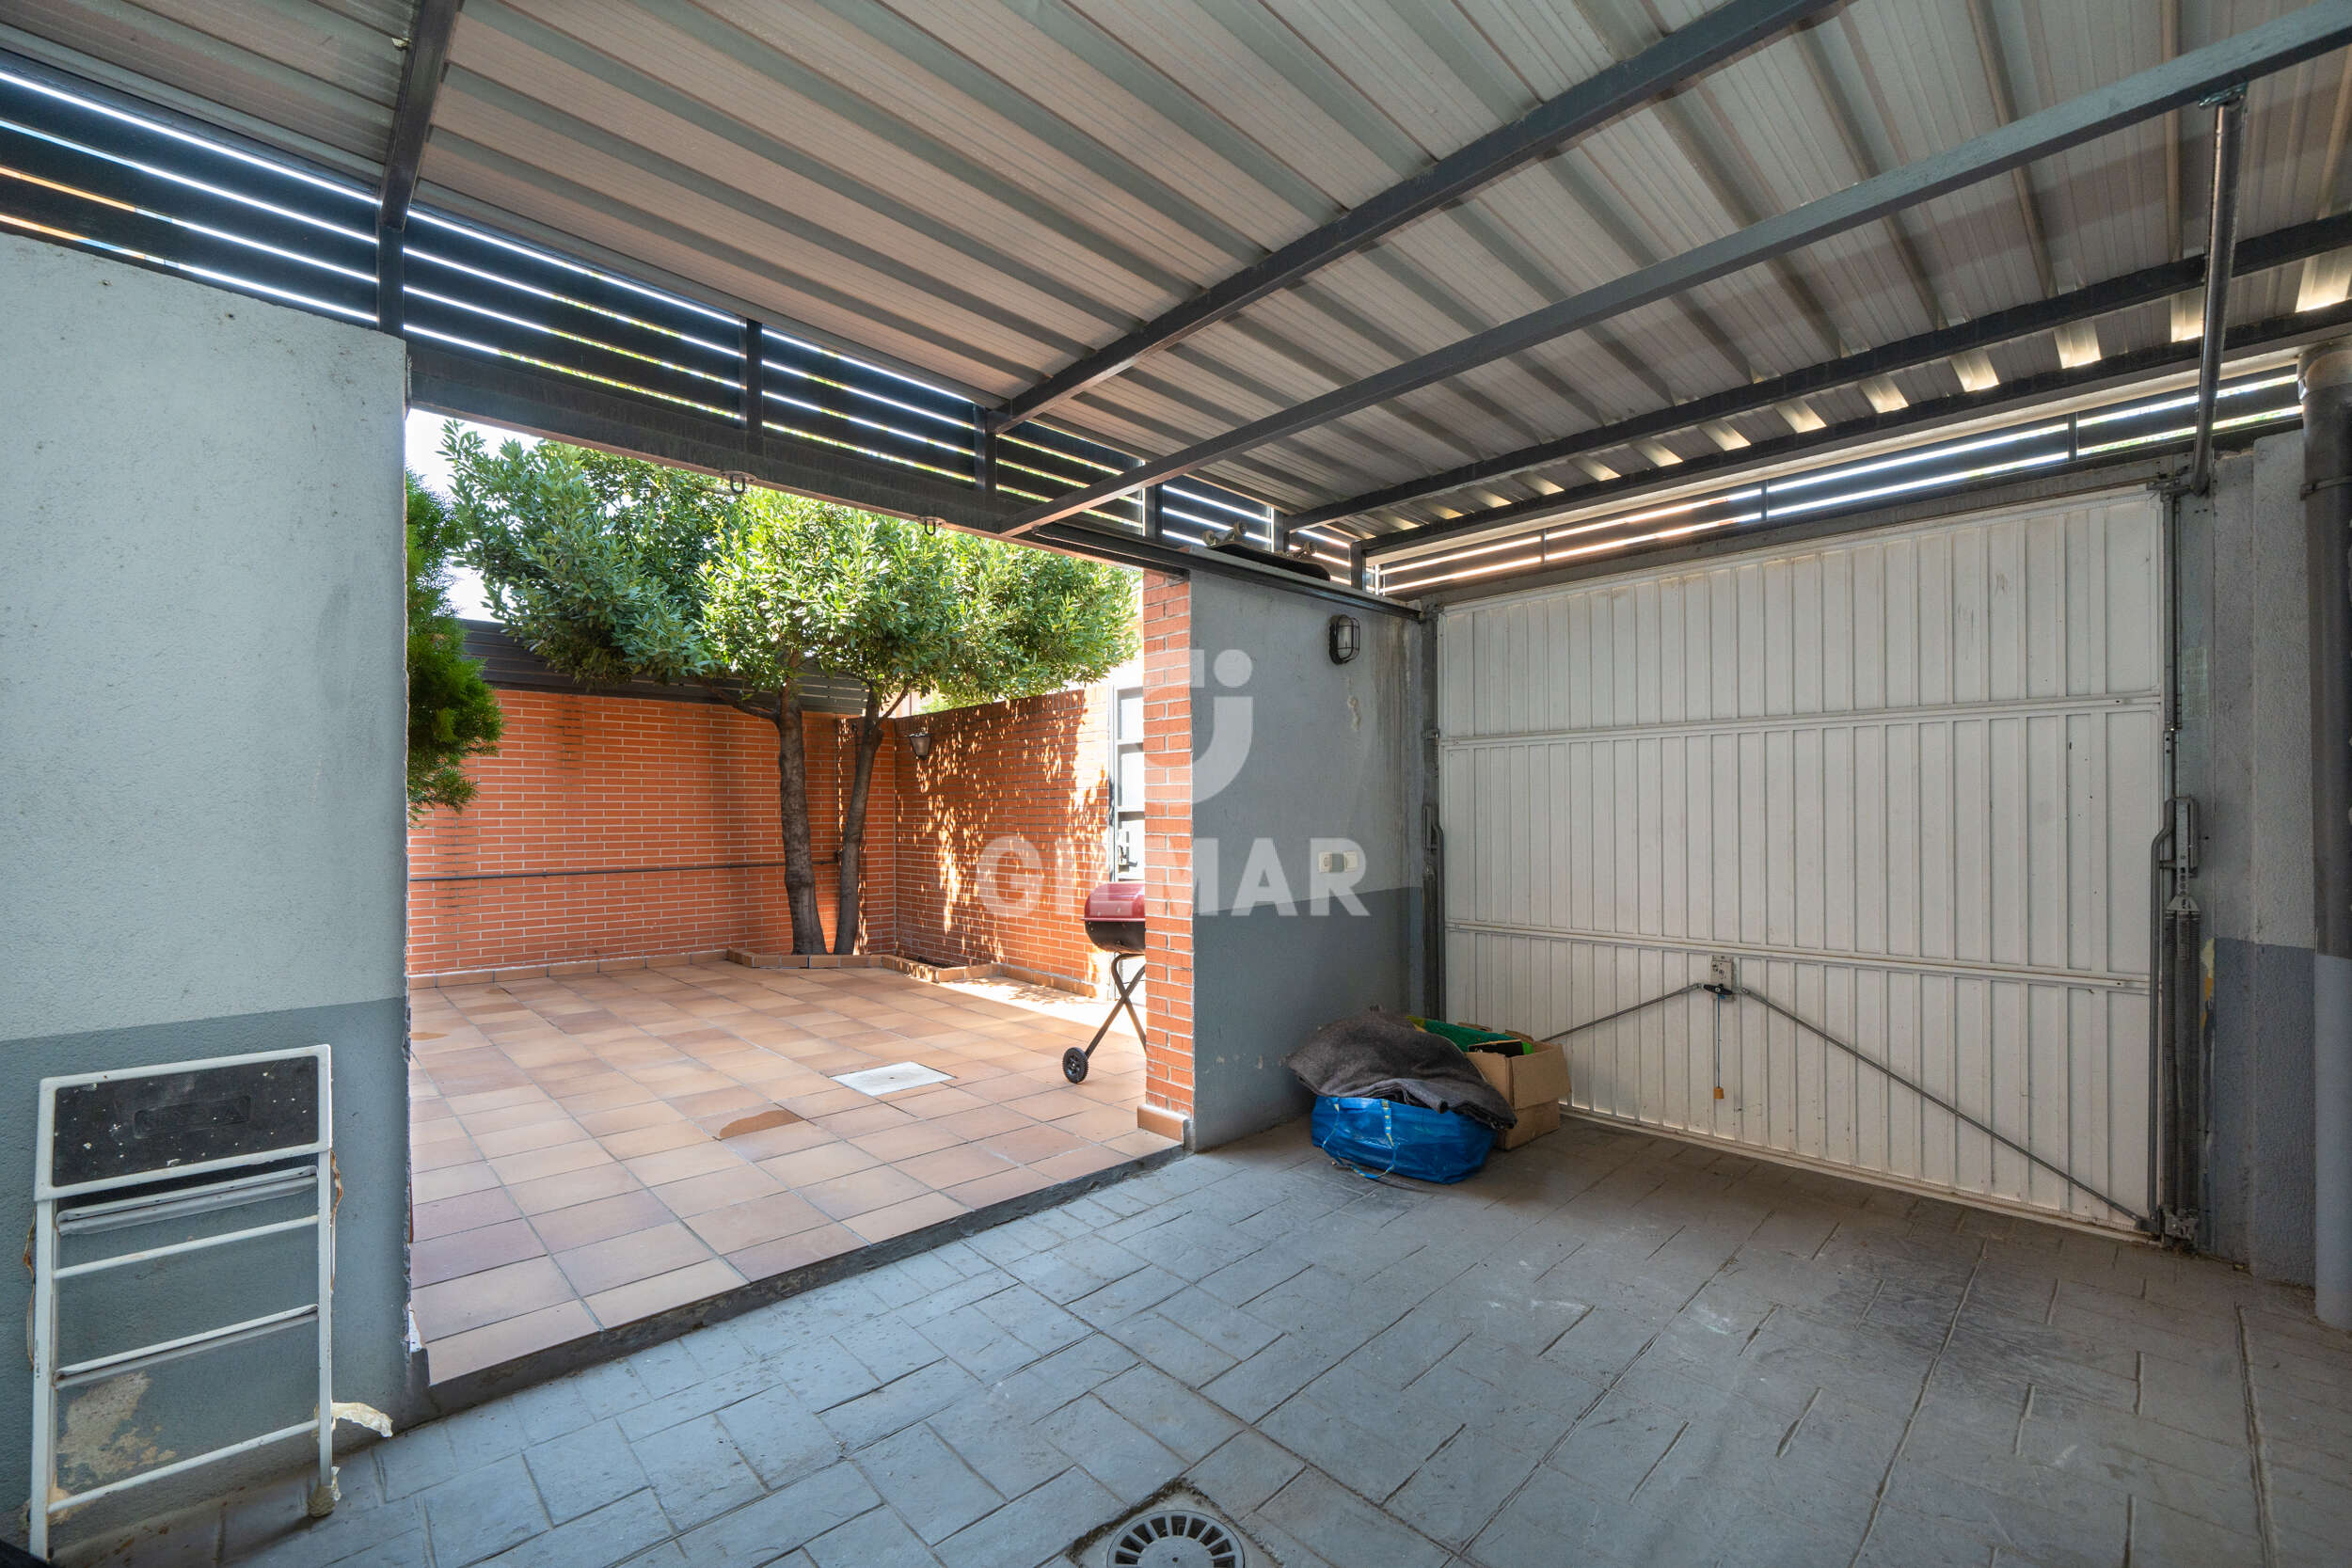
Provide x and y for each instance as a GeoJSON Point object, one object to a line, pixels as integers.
{"type": "Point", "coordinates": [1464, 1035]}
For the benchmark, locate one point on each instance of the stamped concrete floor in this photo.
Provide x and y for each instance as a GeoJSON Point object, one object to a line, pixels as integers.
{"type": "Point", "coordinates": [591, 1150]}
{"type": "Point", "coordinates": [1605, 1350]}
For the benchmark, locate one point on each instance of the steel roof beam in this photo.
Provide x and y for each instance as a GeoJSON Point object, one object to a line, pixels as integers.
{"type": "Point", "coordinates": [1714, 38]}
{"type": "Point", "coordinates": [425, 60]}
{"type": "Point", "coordinates": [2281, 248]}
{"type": "Point", "coordinates": [2289, 40]}
{"type": "Point", "coordinates": [412, 117]}
{"type": "Point", "coordinates": [2113, 373]}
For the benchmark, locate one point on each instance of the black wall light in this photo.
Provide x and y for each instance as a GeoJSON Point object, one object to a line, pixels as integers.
{"type": "Point", "coordinates": [1346, 638]}
{"type": "Point", "coordinates": [920, 742]}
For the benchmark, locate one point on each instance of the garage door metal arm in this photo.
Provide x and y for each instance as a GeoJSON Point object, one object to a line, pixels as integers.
{"type": "Point", "coordinates": [1724, 993]}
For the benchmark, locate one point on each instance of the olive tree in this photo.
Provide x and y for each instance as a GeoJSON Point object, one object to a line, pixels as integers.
{"type": "Point", "coordinates": [615, 569]}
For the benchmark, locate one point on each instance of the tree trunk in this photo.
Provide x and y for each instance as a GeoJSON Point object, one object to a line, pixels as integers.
{"type": "Point", "coordinates": [799, 867]}
{"type": "Point", "coordinates": [870, 738]}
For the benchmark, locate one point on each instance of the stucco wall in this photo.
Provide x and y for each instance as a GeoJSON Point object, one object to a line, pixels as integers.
{"type": "Point", "coordinates": [2246, 753]}
{"type": "Point", "coordinates": [201, 692]}
{"type": "Point", "coordinates": [1329, 759]}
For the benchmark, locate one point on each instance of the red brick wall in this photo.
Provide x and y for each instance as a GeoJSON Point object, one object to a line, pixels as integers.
{"type": "Point", "coordinates": [1168, 841]}
{"type": "Point", "coordinates": [1034, 772]}
{"type": "Point", "coordinates": [589, 795]}
{"type": "Point", "coordinates": [610, 787]}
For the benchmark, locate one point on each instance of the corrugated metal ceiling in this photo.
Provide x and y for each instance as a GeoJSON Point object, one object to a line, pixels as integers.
{"type": "Point", "coordinates": [982, 190]}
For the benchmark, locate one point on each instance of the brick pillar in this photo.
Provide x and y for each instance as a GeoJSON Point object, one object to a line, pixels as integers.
{"type": "Point", "coordinates": [1168, 850]}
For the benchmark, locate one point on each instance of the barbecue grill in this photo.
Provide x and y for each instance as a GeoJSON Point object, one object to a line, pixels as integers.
{"type": "Point", "coordinates": [1114, 920]}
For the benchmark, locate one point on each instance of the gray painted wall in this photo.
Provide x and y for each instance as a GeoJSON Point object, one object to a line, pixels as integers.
{"type": "Point", "coordinates": [202, 723]}
{"type": "Point", "coordinates": [1330, 757]}
{"type": "Point", "coordinates": [2246, 753]}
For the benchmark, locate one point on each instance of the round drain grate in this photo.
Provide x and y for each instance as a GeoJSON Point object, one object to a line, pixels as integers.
{"type": "Point", "coordinates": [1176, 1538]}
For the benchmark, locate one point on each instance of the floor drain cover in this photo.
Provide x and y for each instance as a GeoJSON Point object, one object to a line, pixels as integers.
{"type": "Point", "coordinates": [1175, 1538]}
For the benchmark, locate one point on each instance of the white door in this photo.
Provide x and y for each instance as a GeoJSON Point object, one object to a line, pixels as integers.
{"type": "Point", "coordinates": [1908, 780]}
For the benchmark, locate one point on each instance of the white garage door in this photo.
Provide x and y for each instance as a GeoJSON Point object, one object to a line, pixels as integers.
{"type": "Point", "coordinates": [1908, 780]}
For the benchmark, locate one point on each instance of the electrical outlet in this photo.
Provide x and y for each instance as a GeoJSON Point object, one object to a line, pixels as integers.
{"type": "Point", "coordinates": [1722, 969]}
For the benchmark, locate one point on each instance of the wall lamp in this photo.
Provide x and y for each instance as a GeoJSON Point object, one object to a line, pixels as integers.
{"type": "Point", "coordinates": [1346, 637]}
{"type": "Point", "coordinates": [920, 742]}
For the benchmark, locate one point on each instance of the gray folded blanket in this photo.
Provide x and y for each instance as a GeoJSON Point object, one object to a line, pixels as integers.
{"type": "Point", "coordinates": [1378, 1055]}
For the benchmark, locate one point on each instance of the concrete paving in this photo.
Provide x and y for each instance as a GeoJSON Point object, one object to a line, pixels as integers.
{"type": "Point", "coordinates": [1604, 1350]}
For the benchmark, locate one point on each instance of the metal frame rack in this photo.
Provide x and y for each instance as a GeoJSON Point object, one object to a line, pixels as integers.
{"type": "Point", "coordinates": [142, 1133]}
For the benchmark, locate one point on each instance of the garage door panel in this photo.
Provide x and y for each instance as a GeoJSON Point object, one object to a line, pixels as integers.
{"type": "Point", "coordinates": [1907, 779]}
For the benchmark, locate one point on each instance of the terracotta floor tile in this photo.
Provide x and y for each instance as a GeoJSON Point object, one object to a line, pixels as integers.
{"type": "Point", "coordinates": [940, 1102]}
{"type": "Point", "coordinates": [661, 1137]}
{"type": "Point", "coordinates": [516, 1169]}
{"type": "Point", "coordinates": [734, 1099]}
{"type": "Point", "coordinates": [1052, 1105]}
{"type": "Point", "coordinates": [599, 1219]}
{"type": "Point", "coordinates": [1099, 1124]}
{"type": "Point", "coordinates": [625, 1258]}
{"type": "Point", "coordinates": [863, 1191]}
{"type": "Point", "coordinates": [985, 1122]}
{"type": "Point", "coordinates": [1027, 1146]}
{"type": "Point", "coordinates": [614, 1092]}
{"type": "Point", "coordinates": [470, 1212]}
{"type": "Point", "coordinates": [1011, 1182]}
{"type": "Point", "coordinates": [1006, 1087]}
{"type": "Point", "coordinates": [699, 1194]}
{"type": "Point", "coordinates": [1082, 1161]}
{"type": "Point", "coordinates": [738, 1226]}
{"type": "Point", "coordinates": [808, 1167]}
{"type": "Point", "coordinates": [949, 1166]}
{"type": "Point", "coordinates": [778, 1140]}
{"type": "Point", "coordinates": [897, 1142]}
{"type": "Point", "coordinates": [441, 1154]}
{"type": "Point", "coordinates": [632, 1117]}
{"type": "Point", "coordinates": [557, 1130]}
{"type": "Point", "coordinates": [575, 1186]}
{"type": "Point", "coordinates": [491, 1296]}
{"type": "Point", "coordinates": [916, 1214]}
{"type": "Point", "coordinates": [511, 1116]}
{"type": "Point", "coordinates": [865, 1118]}
{"type": "Point", "coordinates": [466, 1252]}
{"type": "Point", "coordinates": [646, 1068]}
{"type": "Point", "coordinates": [461, 1354]}
{"type": "Point", "coordinates": [677, 1164]}
{"type": "Point", "coordinates": [679, 1287]}
{"type": "Point", "coordinates": [1139, 1143]}
{"type": "Point", "coordinates": [813, 1246]}
{"type": "Point", "coordinates": [826, 1102]}
{"type": "Point", "coordinates": [428, 1187]}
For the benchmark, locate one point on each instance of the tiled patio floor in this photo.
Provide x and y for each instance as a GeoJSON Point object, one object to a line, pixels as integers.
{"type": "Point", "coordinates": [1604, 1350]}
{"type": "Point", "coordinates": [591, 1150]}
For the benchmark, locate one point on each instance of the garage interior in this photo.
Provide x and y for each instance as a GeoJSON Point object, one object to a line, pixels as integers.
{"type": "Point", "coordinates": [1804, 554]}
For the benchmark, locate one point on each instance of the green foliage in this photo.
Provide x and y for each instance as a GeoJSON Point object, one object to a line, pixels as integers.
{"type": "Point", "coordinates": [452, 713]}
{"type": "Point", "coordinates": [615, 569]}
{"type": "Point", "coordinates": [1034, 622]}
{"type": "Point", "coordinates": [594, 561]}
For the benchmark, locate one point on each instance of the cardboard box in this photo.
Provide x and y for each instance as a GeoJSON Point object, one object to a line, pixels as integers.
{"type": "Point", "coordinates": [1535, 1085]}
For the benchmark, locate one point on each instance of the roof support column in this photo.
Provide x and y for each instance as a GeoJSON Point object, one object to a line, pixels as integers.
{"type": "Point", "coordinates": [2327, 375]}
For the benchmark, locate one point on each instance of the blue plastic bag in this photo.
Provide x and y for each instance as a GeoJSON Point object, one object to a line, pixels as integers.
{"type": "Point", "coordinates": [1380, 1137]}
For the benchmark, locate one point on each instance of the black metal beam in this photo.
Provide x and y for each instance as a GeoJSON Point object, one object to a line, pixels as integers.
{"type": "Point", "coordinates": [2314, 30]}
{"type": "Point", "coordinates": [1714, 38]}
{"type": "Point", "coordinates": [2278, 249]}
{"type": "Point", "coordinates": [2115, 371]}
{"type": "Point", "coordinates": [425, 58]}
{"type": "Point", "coordinates": [464, 386]}
{"type": "Point", "coordinates": [2229, 125]}
{"type": "Point", "coordinates": [412, 114]}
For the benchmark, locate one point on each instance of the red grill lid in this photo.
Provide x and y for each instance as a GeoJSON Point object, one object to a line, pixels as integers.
{"type": "Point", "coordinates": [1116, 902]}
